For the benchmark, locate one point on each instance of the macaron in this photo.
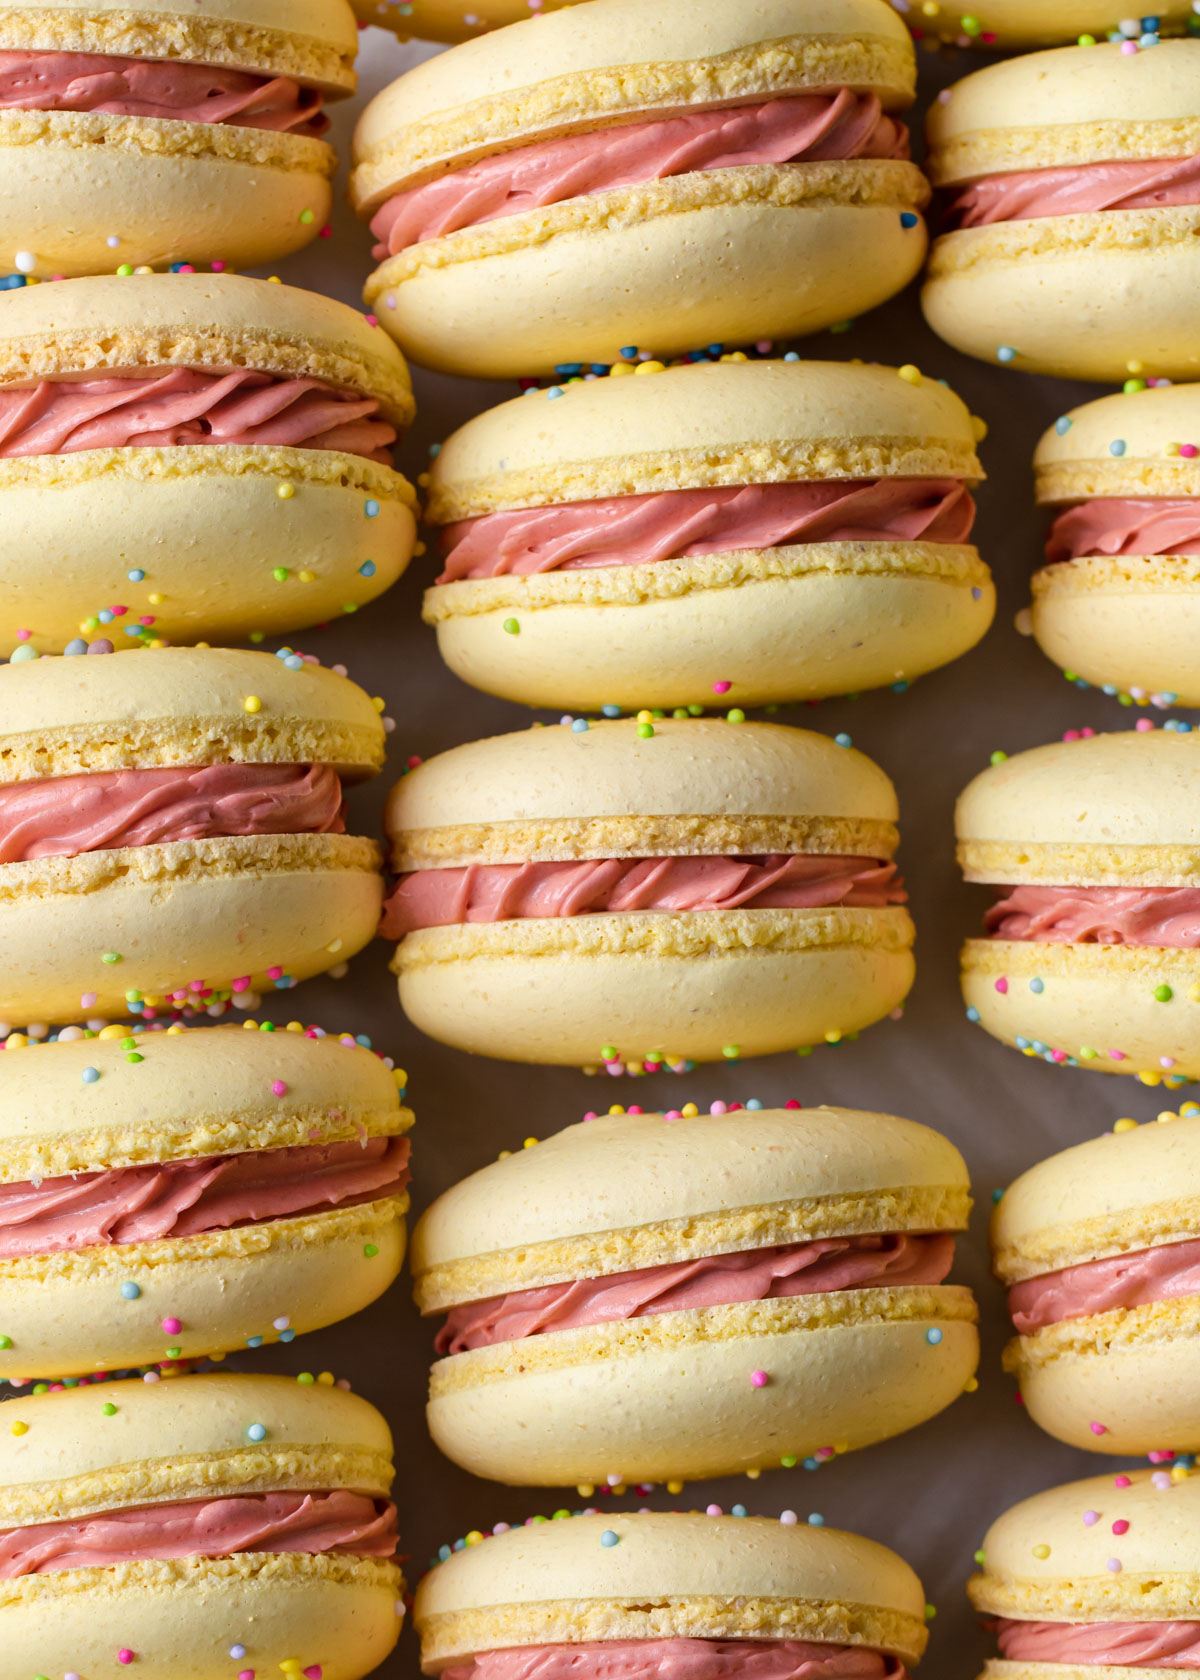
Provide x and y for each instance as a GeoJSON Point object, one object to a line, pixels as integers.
{"type": "Point", "coordinates": [203, 455]}
{"type": "Point", "coordinates": [449, 20]}
{"type": "Point", "coordinates": [1118, 601]}
{"type": "Point", "coordinates": [646, 893]}
{"type": "Point", "coordinates": [1026, 23]}
{"type": "Point", "coordinates": [617, 176]}
{"type": "Point", "coordinates": [656, 1589]}
{"type": "Point", "coordinates": [178, 1194]}
{"type": "Point", "coordinates": [1073, 203]}
{"type": "Point", "coordinates": [1099, 1248]}
{"type": "Point", "coordinates": [1091, 955]}
{"type": "Point", "coordinates": [1096, 1578]}
{"type": "Point", "coordinates": [171, 830]}
{"type": "Point", "coordinates": [207, 1527]}
{"type": "Point", "coordinates": [758, 531]}
{"type": "Point", "coordinates": [645, 1297]}
{"type": "Point", "coordinates": [155, 133]}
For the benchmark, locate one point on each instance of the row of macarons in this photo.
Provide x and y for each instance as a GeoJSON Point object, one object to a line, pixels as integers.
{"type": "Point", "coordinates": [243, 1526]}
{"type": "Point", "coordinates": [173, 842]}
{"type": "Point", "coordinates": [171, 447]}
{"type": "Point", "coordinates": [748, 165]}
{"type": "Point", "coordinates": [640, 1298]}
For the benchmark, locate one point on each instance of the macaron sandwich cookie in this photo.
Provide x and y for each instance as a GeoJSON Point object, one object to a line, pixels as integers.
{"type": "Point", "coordinates": [1118, 600]}
{"type": "Point", "coordinates": [785, 529]}
{"type": "Point", "coordinates": [449, 20]}
{"type": "Point", "coordinates": [172, 832]}
{"type": "Point", "coordinates": [164, 132]}
{"type": "Point", "coordinates": [1028, 23]}
{"type": "Point", "coordinates": [742, 163]}
{"type": "Point", "coordinates": [1072, 184]}
{"type": "Point", "coordinates": [665, 1593]}
{"type": "Point", "coordinates": [194, 456]}
{"type": "Point", "coordinates": [647, 1297]}
{"type": "Point", "coordinates": [650, 892]}
{"type": "Point", "coordinates": [1092, 950]}
{"type": "Point", "coordinates": [191, 1193]}
{"type": "Point", "coordinates": [1096, 1579]}
{"type": "Point", "coordinates": [204, 1528]}
{"type": "Point", "coordinates": [1100, 1250]}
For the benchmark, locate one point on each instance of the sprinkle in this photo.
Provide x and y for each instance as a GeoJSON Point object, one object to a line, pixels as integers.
{"type": "Point", "coordinates": [843, 740]}
{"type": "Point", "coordinates": [237, 1652]}
{"type": "Point", "coordinates": [19, 1428]}
{"type": "Point", "coordinates": [1120, 1526]}
{"type": "Point", "coordinates": [1098, 1428]}
{"type": "Point", "coordinates": [609, 1538]}
{"type": "Point", "coordinates": [371, 508]}
{"type": "Point", "coordinates": [1163, 994]}
{"type": "Point", "coordinates": [1036, 985]}
{"type": "Point", "coordinates": [256, 1432]}
{"type": "Point", "coordinates": [1063, 424]}
{"type": "Point", "coordinates": [90, 1075]}
{"type": "Point", "coordinates": [908, 220]}
{"type": "Point", "coordinates": [171, 1326]}
{"type": "Point", "coordinates": [1042, 1551]}
{"type": "Point", "coordinates": [252, 704]}
{"type": "Point", "coordinates": [131, 1291]}
{"type": "Point", "coordinates": [758, 1379]}
{"type": "Point", "coordinates": [1006, 353]}
{"type": "Point", "coordinates": [1113, 1566]}
{"type": "Point", "coordinates": [109, 1409]}
{"type": "Point", "coordinates": [1121, 1481]}
{"type": "Point", "coordinates": [279, 1087]}
{"type": "Point", "coordinates": [934, 1336]}
{"type": "Point", "coordinates": [5, 1343]}
{"type": "Point", "coordinates": [512, 627]}
{"type": "Point", "coordinates": [125, 1655]}
{"type": "Point", "coordinates": [1090, 1519]}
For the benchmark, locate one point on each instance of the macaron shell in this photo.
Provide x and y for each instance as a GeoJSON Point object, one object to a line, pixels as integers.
{"type": "Point", "coordinates": [1028, 23]}
{"type": "Point", "coordinates": [1122, 445]}
{"type": "Point", "coordinates": [671, 1395]}
{"type": "Point", "coordinates": [793, 623]}
{"type": "Point", "coordinates": [445, 20]}
{"type": "Point", "coordinates": [196, 911]}
{"type": "Point", "coordinates": [702, 985]}
{"type": "Point", "coordinates": [1131, 622]}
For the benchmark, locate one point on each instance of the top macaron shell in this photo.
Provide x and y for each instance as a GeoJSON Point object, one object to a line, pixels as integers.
{"type": "Point", "coordinates": [492, 299]}
{"type": "Point", "coordinates": [668, 1575]}
{"type": "Point", "coordinates": [99, 1104]}
{"type": "Point", "coordinates": [85, 191]}
{"type": "Point", "coordinates": [1028, 23]}
{"type": "Point", "coordinates": [450, 20]}
{"type": "Point", "coordinates": [132, 1444]}
{"type": "Point", "coordinates": [1018, 291]}
{"type": "Point", "coordinates": [797, 621]}
{"type": "Point", "coordinates": [108, 929]}
{"type": "Point", "coordinates": [215, 540]}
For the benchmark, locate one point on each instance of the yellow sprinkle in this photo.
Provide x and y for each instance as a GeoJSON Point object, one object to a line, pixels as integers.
{"type": "Point", "coordinates": [1149, 1078]}
{"type": "Point", "coordinates": [174, 1032]}
{"type": "Point", "coordinates": [474, 1537]}
{"type": "Point", "coordinates": [1194, 993]}
{"type": "Point", "coordinates": [294, 1026]}
{"type": "Point", "coordinates": [306, 577]}
{"type": "Point", "coordinates": [378, 702]}
{"type": "Point", "coordinates": [249, 1026]}
{"type": "Point", "coordinates": [649, 367]}
{"type": "Point", "coordinates": [423, 480]}
{"type": "Point", "coordinates": [616, 1109]}
{"type": "Point", "coordinates": [585, 1490]}
{"type": "Point", "coordinates": [620, 370]}
{"type": "Point", "coordinates": [910, 374]}
{"type": "Point", "coordinates": [1180, 1472]}
{"type": "Point", "coordinates": [1172, 449]}
{"type": "Point", "coordinates": [833, 1038]}
{"type": "Point", "coordinates": [114, 1031]}
{"type": "Point", "coordinates": [274, 280]}
{"type": "Point", "coordinates": [1165, 1118]}
{"type": "Point", "coordinates": [971, 1386]}
{"type": "Point", "coordinates": [1134, 367]}
{"type": "Point", "coordinates": [156, 600]}
{"type": "Point", "coordinates": [285, 492]}
{"type": "Point", "coordinates": [15, 1041]}
{"type": "Point", "coordinates": [326, 1379]}
{"type": "Point", "coordinates": [419, 548]}
{"type": "Point", "coordinates": [753, 1475]}
{"type": "Point", "coordinates": [979, 427]}
{"type": "Point", "coordinates": [841, 1446]}
{"type": "Point", "coordinates": [252, 703]}
{"type": "Point", "coordinates": [674, 1487]}
{"type": "Point", "coordinates": [530, 1143]}
{"type": "Point", "coordinates": [1041, 1551]}
{"type": "Point", "coordinates": [1125, 1126]}
{"type": "Point", "coordinates": [290, 1665]}
{"type": "Point", "coordinates": [19, 1428]}
{"type": "Point", "coordinates": [645, 717]}
{"type": "Point", "coordinates": [689, 1111]}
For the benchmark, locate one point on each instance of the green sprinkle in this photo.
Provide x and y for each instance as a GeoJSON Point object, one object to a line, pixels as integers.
{"type": "Point", "coordinates": [110, 956]}
{"type": "Point", "coordinates": [645, 731]}
{"type": "Point", "coordinates": [998, 758]}
{"type": "Point", "coordinates": [511, 627]}
{"type": "Point", "coordinates": [981, 1558]}
{"type": "Point", "coordinates": [134, 1057]}
{"type": "Point", "coordinates": [5, 1342]}
{"type": "Point", "coordinates": [788, 1461]}
{"type": "Point", "coordinates": [281, 574]}
{"type": "Point", "coordinates": [307, 217]}
{"type": "Point", "coordinates": [306, 1379]}
{"type": "Point", "coordinates": [737, 715]}
{"type": "Point", "coordinates": [109, 1409]}
{"type": "Point", "coordinates": [370, 1250]}
{"type": "Point", "coordinates": [1164, 994]}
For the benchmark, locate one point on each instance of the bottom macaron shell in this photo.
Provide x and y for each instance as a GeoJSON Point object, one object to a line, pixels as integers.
{"type": "Point", "coordinates": [674, 1394]}
{"type": "Point", "coordinates": [719, 257]}
{"type": "Point", "coordinates": [701, 985]}
{"type": "Point", "coordinates": [1119, 1382]}
{"type": "Point", "coordinates": [792, 623]}
{"type": "Point", "coordinates": [1132, 622]}
{"type": "Point", "coordinates": [333, 1617]}
{"type": "Point", "coordinates": [100, 1309]}
{"type": "Point", "coordinates": [998, 1669]}
{"type": "Point", "coordinates": [1112, 1008]}
{"type": "Point", "coordinates": [82, 933]}
{"type": "Point", "coordinates": [193, 540]}
{"type": "Point", "coordinates": [1083, 296]}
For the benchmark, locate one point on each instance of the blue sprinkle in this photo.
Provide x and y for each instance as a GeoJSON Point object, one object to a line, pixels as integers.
{"type": "Point", "coordinates": [737, 1511]}
{"type": "Point", "coordinates": [976, 592]}
{"type": "Point", "coordinates": [287, 1335]}
{"type": "Point", "coordinates": [792, 356]}
{"type": "Point", "coordinates": [1006, 353]}
{"type": "Point", "coordinates": [1117, 446]}
{"type": "Point", "coordinates": [130, 1291]}
{"type": "Point", "coordinates": [137, 575]}
{"type": "Point", "coordinates": [134, 630]}
{"type": "Point", "coordinates": [362, 1041]}
{"type": "Point", "coordinates": [1149, 39]}
{"type": "Point", "coordinates": [600, 367]}
{"type": "Point", "coordinates": [12, 283]}
{"type": "Point", "coordinates": [105, 616]}
{"type": "Point", "coordinates": [90, 1075]}
{"type": "Point", "coordinates": [972, 1013]}
{"type": "Point", "coordinates": [843, 740]}
{"type": "Point", "coordinates": [629, 352]}
{"type": "Point", "coordinates": [435, 449]}
{"type": "Point", "coordinates": [811, 1463]}
{"type": "Point", "coordinates": [77, 645]}
{"type": "Point", "coordinates": [753, 1103]}
{"type": "Point", "coordinates": [900, 687]}
{"type": "Point", "coordinates": [1022, 1043]}
{"type": "Point", "coordinates": [555, 391]}
{"type": "Point", "coordinates": [716, 349]}
{"type": "Point", "coordinates": [907, 219]}
{"type": "Point", "coordinates": [256, 1432]}
{"type": "Point", "coordinates": [293, 662]}
{"type": "Point", "coordinates": [608, 1538]}
{"type": "Point", "coordinates": [569, 369]}
{"type": "Point", "coordinates": [611, 711]}
{"type": "Point", "coordinates": [460, 1545]}
{"type": "Point", "coordinates": [933, 1336]}
{"type": "Point", "coordinates": [1037, 986]}
{"type": "Point", "coordinates": [371, 508]}
{"type": "Point", "coordinates": [1063, 424]}
{"type": "Point", "coordinates": [1108, 688]}
{"type": "Point", "coordinates": [580, 726]}
{"type": "Point", "coordinates": [1039, 1048]}
{"type": "Point", "coordinates": [816, 1520]}
{"type": "Point", "coordinates": [367, 569]}
{"type": "Point", "coordinates": [444, 1554]}
{"type": "Point", "coordinates": [254, 1341]}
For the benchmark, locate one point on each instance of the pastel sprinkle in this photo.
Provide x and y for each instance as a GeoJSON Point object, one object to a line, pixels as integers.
{"type": "Point", "coordinates": [1098, 1428]}
{"type": "Point", "coordinates": [279, 1087]}
{"type": "Point", "coordinates": [125, 1655]}
{"type": "Point", "coordinates": [131, 1291]}
{"type": "Point", "coordinates": [237, 1652]}
{"type": "Point", "coordinates": [609, 1538]}
{"type": "Point", "coordinates": [90, 1075]}
{"type": "Point", "coordinates": [171, 1326]}
{"type": "Point", "coordinates": [1090, 1519]}
{"type": "Point", "coordinates": [1120, 1527]}
{"type": "Point", "coordinates": [758, 1379]}
{"type": "Point", "coordinates": [19, 1428]}
{"type": "Point", "coordinates": [256, 1432]}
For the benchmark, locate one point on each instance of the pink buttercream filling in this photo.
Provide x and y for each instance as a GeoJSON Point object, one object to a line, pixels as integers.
{"type": "Point", "coordinates": [134, 87]}
{"type": "Point", "coordinates": [1126, 525]}
{"type": "Point", "coordinates": [809, 1268]}
{"type": "Point", "coordinates": [1121, 1644]}
{"type": "Point", "coordinates": [188, 1198]}
{"type": "Point", "coordinates": [1098, 915]}
{"type": "Point", "coordinates": [185, 407]}
{"type": "Point", "coordinates": [1097, 1286]}
{"type": "Point", "coordinates": [682, 1659]}
{"type": "Point", "coordinates": [502, 892]}
{"type": "Point", "coordinates": [1027, 194]}
{"type": "Point", "coordinates": [257, 1522]}
{"type": "Point", "coordinates": [810, 128]}
{"type": "Point", "coordinates": [66, 815]}
{"type": "Point", "coordinates": [673, 524]}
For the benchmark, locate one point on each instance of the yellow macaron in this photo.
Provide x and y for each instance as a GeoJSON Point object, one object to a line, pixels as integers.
{"type": "Point", "coordinates": [758, 531]}
{"type": "Point", "coordinates": [171, 833]}
{"type": "Point", "coordinates": [1100, 1250]}
{"type": "Point", "coordinates": [683, 1584]}
{"type": "Point", "coordinates": [1119, 601]}
{"type": "Point", "coordinates": [188, 1193]}
{"type": "Point", "coordinates": [450, 20]}
{"type": "Point", "coordinates": [741, 163]}
{"type": "Point", "coordinates": [1027, 23]}
{"type": "Point", "coordinates": [1095, 1579]}
{"type": "Point", "coordinates": [206, 454]}
{"type": "Point", "coordinates": [647, 1297]}
{"type": "Point", "coordinates": [688, 889]}
{"type": "Point", "coordinates": [1093, 846]}
{"type": "Point", "coordinates": [155, 132]}
{"type": "Point", "coordinates": [209, 1526]}
{"type": "Point", "coordinates": [1074, 197]}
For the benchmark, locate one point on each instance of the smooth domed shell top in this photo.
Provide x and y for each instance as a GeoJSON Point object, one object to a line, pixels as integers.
{"type": "Point", "coordinates": [205, 1091]}
{"type": "Point", "coordinates": [709, 424]}
{"type": "Point", "coordinates": [185, 1418]}
{"type": "Point", "coordinates": [669, 1556]}
{"type": "Point", "coordinates": [626, 1170]}
{"type": "Point", "coordinates": [1124, 428]}
{"type": "Point", "coordinates": [314, 40]}
{"type": "Point", "coordinates": [1129, 789]}
{"type": "Point", "coordinates": [689, 767]}
{"type": "Point", "coordinates": [209, 321]}
{"type": "Point", "coordinates": [180, 706]}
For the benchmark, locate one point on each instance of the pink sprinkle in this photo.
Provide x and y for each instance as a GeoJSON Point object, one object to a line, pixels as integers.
{"type": "Point", "coordinates": [1188, 451]}
{"type": "Point", "coordinates": [24, 635]}
{"type": "Point", "coordinates": [1058, 1055]}
{"type": "Point", "coordinates": [245, 1673]}
{"type": "Point", "coordinates": [119, 612]}
{"type": "Point", "coordinates": [196, 986]}
{"type": "Point", "coordinates": [792, 1103]}
{"type": "Point", "coordinates": [326, 232]}
{"type": "Point", "coordinates": [1098, 1428]}
{"type": "Point", "coordinates": [1160, 1457]}
{"type": "Point", "coordinates": [764, 346]}
{"type": "Point", "coordinates": [718, 687]}
{"type": "Point", "coordinates": [1128, 50]}
{"type": "Point", "coordinates": [217, 266]}
{"type": "Point", "coordinates": [279, 1086]}
{"type": "Point", "coordinates": [1144, 725]}
{"type": "Point", "coordinates": [1122, 1482]}
{"type": "Point", "coordinates": [125, 1655]}
{"type": "Point", "coordinates": [147, 620]}
{"type": "Point", "coordinates": [313, 1673]}
{"type": "Point", "coordinates": [713, 1511]}
{"type": "Point", "coordinates": [1090, 1519]}
{"type": "Point", "coordinates": [88, 1000]}
{"type": "Point", "coordinates": [718, 1108]}
{"type": "Point", "coordinates": [172, 1326]}
{"type": "Point", "coordinates": [672, 1114]}
{"type": "Point", "coordinates": [1114, 1566]}
{"type": "Point", "coordinates": [634, 1109]}
{"type": "Point", "coordinates": [1121, 1526]}
{"type": "Point", "coordinates": [823, 1452]}
{"type": "Point", "coordinates": [758, 1379]}
{"type": "Point", "coordinates": [1116, 1055]}
{"type": "Point", "coordinates": [275, 973]}
{"type": "Point", "coordinates": [372, 320]}
{"type": "Point", "coordinates": [1002, 985]}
